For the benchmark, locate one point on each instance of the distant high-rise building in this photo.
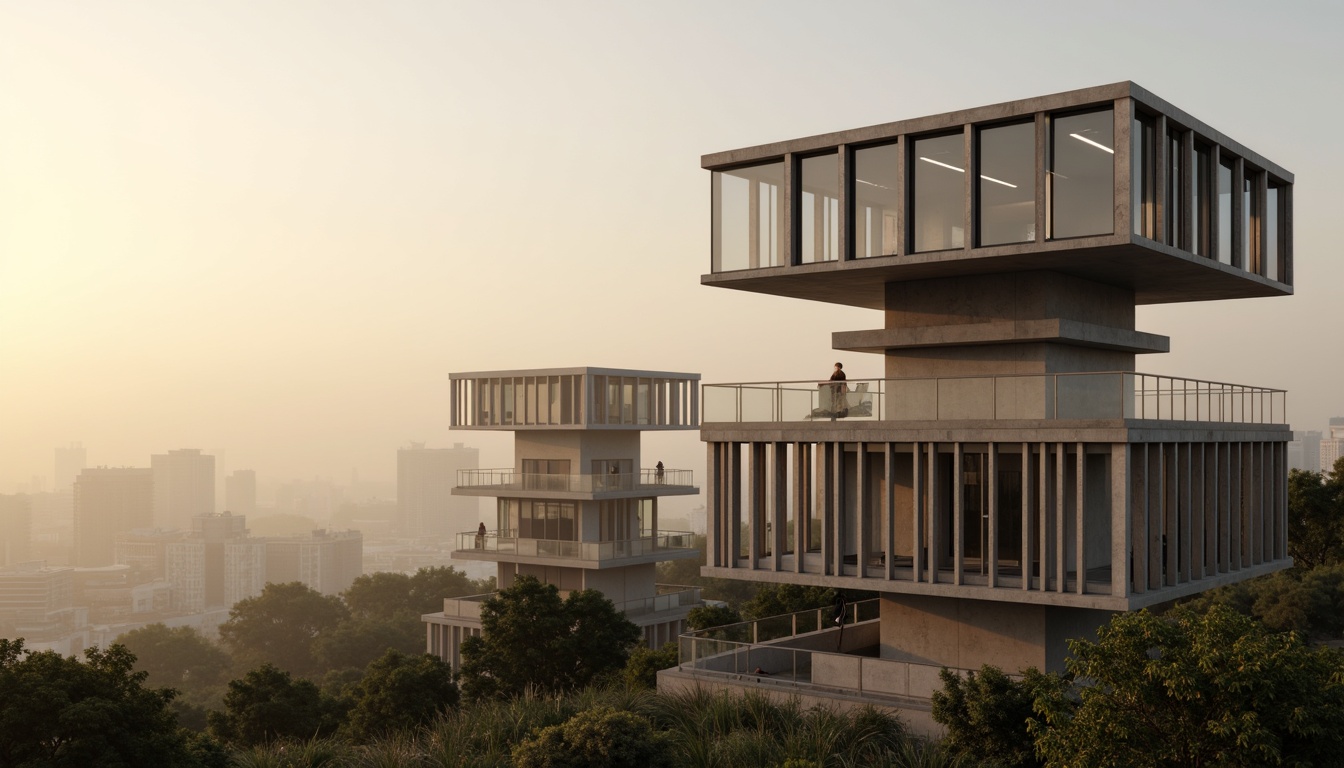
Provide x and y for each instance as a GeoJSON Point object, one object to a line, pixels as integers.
{"type": "Point", "coordinates": [69, 463]}
{"type": "Point", "coordinates": [1304, 451]}
{"type": "Point", "coordinates": [1332, 447]}
{"type": "Point", "coordinates": [108, 502]}
{"type": "Point", "coordinates": [216, 565]}
{"type": "Point", "coordinates": [240, 492]}
{"type": "Point", "coordinates": [16, 529]}
{"type": "Point", "coordinates": [144, 550]}
{"type": "Point", "coordinates": [184, 487]}
{"type": "Point", "coordinates": [327, 561]}
{"type": "Point", "coordinates": [37, 604]}
{"type": "Point", "coordinates": [426, 507]}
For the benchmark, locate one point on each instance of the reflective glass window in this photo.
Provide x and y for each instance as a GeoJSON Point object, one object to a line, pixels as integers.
{"type": "Point", "coordinates": [819, 209]}
{"type": "Point", "coordinates": [1175, 188]}
{"type": "Point", "coordinates": [1201, 198]}
{"type": "Point", "coordinates": [1082, 175]}
{"type": "Point", "coordinates": [939, 211]}
{"type": "Point", "coordinates": [1273, 231]}
{"type": "Point", "coordinates": [1143, 176]}
{"type": "Point", "coordinates": [1006, 185]}
{"type": "Point", "coordinates": [748, 217]}
{"type": "Point", "coordinates": [1250, 233]}
{"type": "Point", "coordinates": [1225, 210]}
{"type": "Point", "coordinates": [875, 201]}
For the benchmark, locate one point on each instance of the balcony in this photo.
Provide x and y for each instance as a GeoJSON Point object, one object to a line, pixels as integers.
{"type": "Point", "coordinates": [507, 482]}
{"type": "Point", "coordinates": [808, 651]}
{"type": "Point", "coordinates": [508, 547]}
{"type": "Point", "coordinates": [1106, 395]}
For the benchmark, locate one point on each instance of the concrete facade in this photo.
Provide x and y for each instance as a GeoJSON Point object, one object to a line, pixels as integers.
{"type": "Point", "coordinates": [1012, 480]}
{"type": "Point", "coordinates": [577, 509]}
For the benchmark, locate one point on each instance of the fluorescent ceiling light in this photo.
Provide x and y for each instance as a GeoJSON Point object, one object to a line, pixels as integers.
{"type": "Point", "coordinates": [960, 170]}
{"type": "Point", "coordinates": [1086, 140]}
{"type": "Point", "coordinates": [945, 165]}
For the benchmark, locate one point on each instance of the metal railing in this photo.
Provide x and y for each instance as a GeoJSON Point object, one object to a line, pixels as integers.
{"type": "Point", "coordinates": [667, 597]}
{"type": "Point", "coordinates": [508, 543]}
{"type": "Point", "coordinates": [509, 480]}
{"type": "Point", "coordinates": [1105, 395]}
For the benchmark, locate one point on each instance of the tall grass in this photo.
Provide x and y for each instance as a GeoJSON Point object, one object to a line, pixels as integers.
{"type": "Point", "coordinates": [707, 730]}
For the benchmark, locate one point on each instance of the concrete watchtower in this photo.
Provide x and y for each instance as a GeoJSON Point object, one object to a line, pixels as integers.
{"type": "Point", "coordinates": [1012, 480]}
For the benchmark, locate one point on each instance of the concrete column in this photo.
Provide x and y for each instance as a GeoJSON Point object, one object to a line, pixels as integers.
{"type": "Point", "coordinates": [1171, 515]}
{"type": "Point", "coordinates": [1122, 465]}
{"type": "Point", "coordinates": [712, 506]}
{"type": "Point", "coordinates": [992, 555]}
{"type": "Point", "coordinates": [862, 513]}
{"type": "Point", "coordinates": [802, 502]}
{"type": "Point", "coordinates": [1079, 529]}
{"type": "Point", "coordinates": [1160, 172]}
{"type": "Point", "coordinates": [958, 529]}
{"type": "Point", "coordinates": [968, 206]}
{"type": "Point", "coordinates": [1061, 470]}
{"type": "Point", "coordinates": [734, 516]}
{"type": "Point", "coordinates": [756, 499]}
{"type": "Point", "coordinates": [844, 169]}
{"type": "Point", "coordinates": [1234, 503]}
{"type": "Point", "coordinates": [788, 240]}
{"type": "Point", "coordinates": [837, 507]}
{"type": "Point", "coordinates": [1248, 503]}
{"type": "Point", "coordinates": [935, 542]}
{"type": "Point", "coordinates": [1225, 506]}
{"type": "Point", "coordinates": [889, 509]}
{"type": "Point", "coordinates": [917, 512]}
{"type": "Point", "coordinates": [1198, 511]}
{"type": "Point", "coordinates": [1138, 477]}
{"type": "Point", "coordinates": [1155, 516]}
{"type": "Point", "coordinates": [779, 507]}
{"type": "Point", "coordinates": [1042, 175]}
{"type": "Point", "coordinates": [1027, 504]}
{"type": "Point", "coordinates": [1043, 569]}
{"type": "Point", "coordinates": [903, 240]}
{"type": "Point", "coordinates": [1124, 121]}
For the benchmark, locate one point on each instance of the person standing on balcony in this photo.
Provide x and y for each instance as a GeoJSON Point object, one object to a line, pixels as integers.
{"type": "Point", "coordinates": [838, 391]}
{"type": "Point", "coordinates": [658, 473]}
{"type": "Point", "coordinates": [480, 536]}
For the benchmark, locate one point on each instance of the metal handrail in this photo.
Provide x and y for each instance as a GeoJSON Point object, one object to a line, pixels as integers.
{"type": "Point", "coordinates": [496, 542]}
{"type": "Point", "coordinates": [508, 478]}
{"type": "Point", "coordinates": [1077, 395]}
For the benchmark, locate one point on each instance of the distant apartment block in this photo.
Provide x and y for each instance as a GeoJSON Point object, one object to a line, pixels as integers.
{"type": "Point", "coordinates": [37, 604]}
{"type": "Point", "coordinates": [240, 492]}
{"type": "Point", "coordinates": [216, 565]}
{"type": "Point", "coordinates": [426, 506]}
{"type": "Point", "coordinates": [1304, 451]}
{"type": "Point", "coordinates": [326, 561]}
{"type": "Point", "coordinates": [1332, 447]}
{"type": "Point", "coordinates": [109, 501]}
{"type": "Point", "coordinates": [184, 487]}
{"type": "Point", "coordinates": [16, 529]}
{"type": "Point", "coordinates": [70, 461]}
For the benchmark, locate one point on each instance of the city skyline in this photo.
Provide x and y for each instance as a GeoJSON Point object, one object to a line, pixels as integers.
{"type": "Point", "coordinates": [274, 230]}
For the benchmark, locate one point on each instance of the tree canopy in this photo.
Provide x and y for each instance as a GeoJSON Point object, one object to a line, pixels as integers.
{"type": "Point", "coordinates": [57, 711]}
{"type": "Point", "coordinates": [268, 704]}
{"type": "Point", "coordinates": [384, 595]}
{"type": "Point", "coordinates": [597, 738]}
{"type": "Point", "coordinates": [177, 657]}
{"type": "Point", "coordinates": [1316, 517]}
{"type": "Point", "coordinates": [401, 692]}
{"type": "Point", "coordinates": [279, 626]}
{"type": "Point", "coordinates": [530, 638]}
{"type": "Point", "coordinates": [1190, 689]}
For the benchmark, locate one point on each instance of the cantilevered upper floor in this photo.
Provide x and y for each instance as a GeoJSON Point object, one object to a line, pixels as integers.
{"type": "Point", "coordinates": [1112, 185]}
{"type": "Point", "coordinates": [575, 398]}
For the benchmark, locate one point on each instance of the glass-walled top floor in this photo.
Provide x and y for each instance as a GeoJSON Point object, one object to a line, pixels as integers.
{"type": "Point", "coordinates": [1085, 174]}
{"type": "Point", "coordinates": [575, 398]}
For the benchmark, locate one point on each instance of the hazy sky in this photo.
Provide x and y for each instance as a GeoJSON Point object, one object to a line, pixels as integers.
{"type": "Point", "coordinates": [275, 228]}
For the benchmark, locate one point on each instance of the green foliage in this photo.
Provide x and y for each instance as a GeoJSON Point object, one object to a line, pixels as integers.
{"type": "Point", "coordinates": [986, 717]}
{"type": "Point", "coordinates": [641, 671]}
{"type": "Point", "coordinates": [597, 738]}
{"type": "Point", "coordinates": [1190, 689]}
{"type": "Point", "coordinates": [279, 627]}
{"type": "Point", "coordinates": [532, 639]}
{"type": "Point", "coordinates": [269, 704]}
{"type": "Point", "coordinates": [357, 642]}
{"type": "Point", "coordinates": [779, 599]}
{"type": "Point", "coordinates": [1316, 517]}
{"type": "Point", "coordinates": [401, 692]}
{"type": "Point", "coordinates": [1310, 602]}
{"type": "Point", "coordinates": [706, 616]}
{"type": "Point", "coordinates": [724, 729]}
{"type": "Point", "coordinates": [687, 571]}
{"type": "Point", "coordinates": [56, 711]}
{"type": "Point", "coordinates": [179, 658]}
{"type": "Point", "coordinates": [386, 595]}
